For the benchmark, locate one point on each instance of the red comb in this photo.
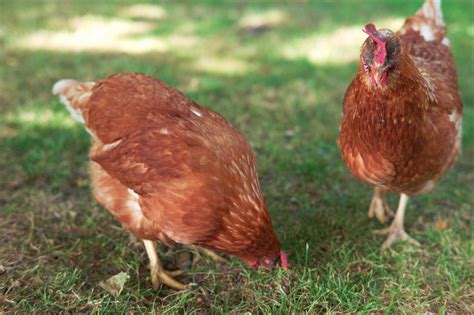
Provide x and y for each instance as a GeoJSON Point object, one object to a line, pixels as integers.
{"type": "Point", "coordinates": [380, 50]}
{"type": "Point", "coordinates": [284, 259]}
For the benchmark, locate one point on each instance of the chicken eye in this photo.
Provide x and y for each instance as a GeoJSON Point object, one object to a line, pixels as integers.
{"type": "Point", "coordinates": [366, 67]}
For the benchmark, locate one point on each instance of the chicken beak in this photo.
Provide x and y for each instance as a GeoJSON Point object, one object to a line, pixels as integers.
{"type": "Point", "coordinates": [379, 76]}
{"type": "Point", "coordinates": [284, 260]}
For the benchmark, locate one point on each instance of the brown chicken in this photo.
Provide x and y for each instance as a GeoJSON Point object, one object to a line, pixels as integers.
{"type": "Point", "coordinates": [401, 129]}
{"type": "Point", "coordinates": [171, 170]}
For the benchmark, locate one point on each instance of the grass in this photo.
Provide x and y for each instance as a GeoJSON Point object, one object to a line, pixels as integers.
{"type": "Point", "coordinates": [57, 243]}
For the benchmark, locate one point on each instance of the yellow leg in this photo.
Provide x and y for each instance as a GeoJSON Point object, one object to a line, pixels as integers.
{"type": "Point", "coordinates": [396, 231]}
{"type": "Point", "coordinates": [379, 208]}
{"type": "Point", "coordinates": [158, 274]}
{"type": "Point", "coordinates": [216, 258]}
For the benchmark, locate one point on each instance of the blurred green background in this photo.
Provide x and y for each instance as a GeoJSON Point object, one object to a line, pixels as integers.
{"type": "Point", "coordinates": [278, 72]}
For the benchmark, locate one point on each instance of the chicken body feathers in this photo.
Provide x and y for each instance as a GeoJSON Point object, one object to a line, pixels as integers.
{"type": "Point", "coordinates": [404, 137]}
{"type": "Point", "coordinates": [183, 173]}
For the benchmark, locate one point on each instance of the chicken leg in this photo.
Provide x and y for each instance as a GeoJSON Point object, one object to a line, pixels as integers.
{"type": "Point", "coordinates": [396, 231]}
{"type": "Point", "coordinates": [158, 274]}
{"type": "Point", "coordinates": [379, 208]}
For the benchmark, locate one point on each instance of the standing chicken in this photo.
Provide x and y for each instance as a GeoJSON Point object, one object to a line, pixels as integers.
{"type": "Point", "coordinates": [401, 129]}
{"type": "Point", "coordinates": [171, 170]}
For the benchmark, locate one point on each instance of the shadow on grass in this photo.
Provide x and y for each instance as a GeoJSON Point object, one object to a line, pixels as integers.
{"type": "Point", "coordinates": [45, 156]}
{"type": "Point", "coordinates": [293, 135]}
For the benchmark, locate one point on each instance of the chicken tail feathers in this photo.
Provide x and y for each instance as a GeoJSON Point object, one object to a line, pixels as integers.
{"type": "Point", "coordinates": [75, 96]}
{"type": "Point", "coordinates": [429, 22]}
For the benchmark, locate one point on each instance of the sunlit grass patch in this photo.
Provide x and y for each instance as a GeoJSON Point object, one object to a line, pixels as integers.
{"type": "Point", "coordinates": [97, 34]}
{"type": "Point", "coordinates": [39, 116]}
{"type": "Point", "coordinates": [152, 12]}
{"type": "Point", "coordinates": [338, 46]}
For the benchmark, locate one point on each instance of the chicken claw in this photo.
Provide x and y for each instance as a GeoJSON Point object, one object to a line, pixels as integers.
{"type": "Point", "coordinates": [396, 231]}
{"type": "Point", "coordinates": [158, 274]}
{"type": "Point", "coordinates": [379, 207]}
{"type": "Point", "coordinates": [395, 234]}
{"type": "Point", "coordinates": [212, 255]}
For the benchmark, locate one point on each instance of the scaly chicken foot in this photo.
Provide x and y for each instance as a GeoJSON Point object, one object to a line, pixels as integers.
{"type": "Point", "coordinates": [395, 235]}
{"type": "Point", "coordinates": [158, 274]}
{"type": "Point", "coordinates": [396, 231]}
{"type": "Point", "coordinates": [379, 208]}
{"type": "Point", "coordinates": [212, 255]}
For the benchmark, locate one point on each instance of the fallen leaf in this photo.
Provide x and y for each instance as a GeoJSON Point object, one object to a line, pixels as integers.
{"type": "Point", "coordinates": [441, 224]}
{"type": "Point", "coordinates": [114, 285]}
{"type": "Point", "coordinates": [291, 132]}
{"type": "Point", "coordinates": [82, 182]}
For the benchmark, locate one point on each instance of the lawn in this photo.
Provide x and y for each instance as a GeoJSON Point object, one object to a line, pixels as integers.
{"type": "Point", "coordinates": [278, 72]}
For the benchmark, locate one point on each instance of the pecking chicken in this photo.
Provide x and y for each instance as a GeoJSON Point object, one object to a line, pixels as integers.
{"type": "Point", "coordinates": [171, 170]}
{"type": "Point", "coordinates": [401, 130]}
